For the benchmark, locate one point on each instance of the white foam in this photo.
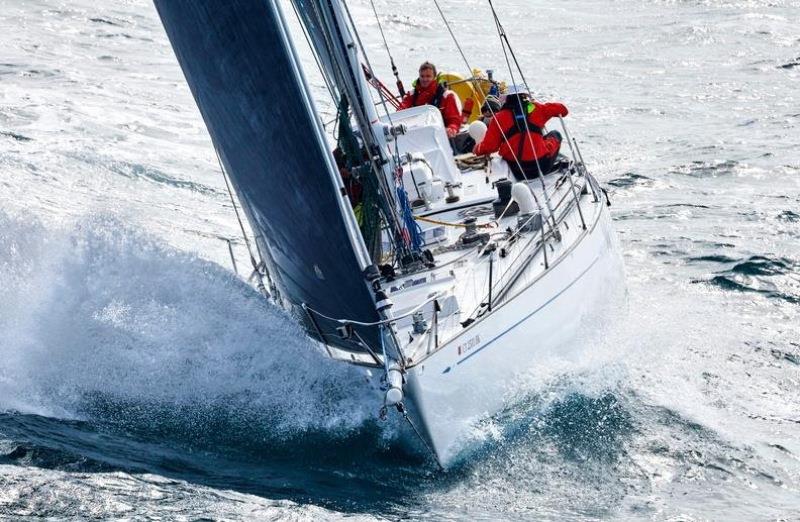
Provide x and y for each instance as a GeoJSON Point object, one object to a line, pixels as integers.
{"type": "Point", "coordinates": [95, 309]}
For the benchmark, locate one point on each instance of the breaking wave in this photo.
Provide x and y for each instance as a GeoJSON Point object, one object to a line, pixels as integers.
{"type": "Point", "coordinates": [101, 322]}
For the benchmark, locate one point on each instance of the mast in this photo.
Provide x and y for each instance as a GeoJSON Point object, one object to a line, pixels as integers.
{"type": "Point", "coordinates": [335, 42]}
{"type": "Point", "coordinates": [339, 45]}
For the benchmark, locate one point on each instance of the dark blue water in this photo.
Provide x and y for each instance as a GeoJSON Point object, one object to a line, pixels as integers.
{"type": "Point", "coordinates": [141, 379]}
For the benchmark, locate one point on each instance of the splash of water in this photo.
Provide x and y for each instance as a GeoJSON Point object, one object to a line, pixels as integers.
{"type": "Point", "coordinates": [101, 321]}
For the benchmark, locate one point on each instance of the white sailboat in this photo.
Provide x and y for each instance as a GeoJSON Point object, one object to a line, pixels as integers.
{"type": "Point", "coordinates": [445, 302]}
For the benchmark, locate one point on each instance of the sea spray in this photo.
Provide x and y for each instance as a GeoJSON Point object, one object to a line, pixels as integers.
{"type": "Point", "coordinates": [102, 321]}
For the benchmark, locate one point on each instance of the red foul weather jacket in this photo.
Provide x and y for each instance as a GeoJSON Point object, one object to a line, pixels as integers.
{"type": "Point", "coordinates": [503, 122]}
{"type": "Point", "coordinates": [435, 94]}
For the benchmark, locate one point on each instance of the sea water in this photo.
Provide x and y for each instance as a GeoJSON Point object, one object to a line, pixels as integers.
{"type": "Point", "coordinates": [140, 378]}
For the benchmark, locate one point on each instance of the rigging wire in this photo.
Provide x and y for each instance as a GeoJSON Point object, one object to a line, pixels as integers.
{"type": "Point", "coordinates": [466, 62]}
{"type": "Point", "coordinates": [550, 222]}
{"type": "Point", "coordinates": [411, 233]}
{"type": "Point", "coordinates": [325, 79]}
{"type": "Point", "coordinates": [382, 322]}
{"type": "Point", "coordinates": [328, 16]}
{"type": "Point", "coordinates": [503, 43]}
{"type": "Point", "coordinates": [404, 411]}
{"type": "Point", "coordinates": [366, 59]}
{"type": "Point", "coordinates": [257, 267]}
{"type": "Point", "coordinates": [505, 37]}
{"type": "Point", "coordinates": [400, 88]}
{"type": "Point", "coordinates": [452, 35]}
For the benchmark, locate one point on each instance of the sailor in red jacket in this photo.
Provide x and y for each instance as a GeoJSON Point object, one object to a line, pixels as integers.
{"type": "Point", "coordinates": [427, 91]}
{"type": "Point", "coordinates": [515, 148]}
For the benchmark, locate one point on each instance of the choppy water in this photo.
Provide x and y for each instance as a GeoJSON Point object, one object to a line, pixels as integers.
{"type": "Point", "coordinates": [139, 378]}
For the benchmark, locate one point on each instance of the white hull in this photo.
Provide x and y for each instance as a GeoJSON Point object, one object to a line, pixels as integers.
{"type": "Point", "coordinates": [479, 372]}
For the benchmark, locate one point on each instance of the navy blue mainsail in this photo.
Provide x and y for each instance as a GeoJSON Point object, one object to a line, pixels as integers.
{"type": "Point", "coordinates": [245, 78]}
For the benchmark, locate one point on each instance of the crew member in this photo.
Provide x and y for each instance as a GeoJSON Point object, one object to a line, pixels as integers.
{"type": "Point", "coordinates": [521, 120]}
{"type": "Point", "coordinates": [353, 187]}
{"type": "Point", "coordinates": [428, 91]}
{"type": "Point", "coordinates": [490, 107]}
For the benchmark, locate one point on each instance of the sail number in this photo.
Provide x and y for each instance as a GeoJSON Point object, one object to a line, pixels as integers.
{"type": "Point", "coordinates": [469, 345]}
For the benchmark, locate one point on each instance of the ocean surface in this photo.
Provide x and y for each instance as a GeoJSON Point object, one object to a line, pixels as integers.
{"type": "Point", "coordinates": [141, 379]}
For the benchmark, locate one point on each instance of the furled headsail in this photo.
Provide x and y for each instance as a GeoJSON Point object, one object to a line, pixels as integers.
{"type": "Point", "coordinates": [245, 77]}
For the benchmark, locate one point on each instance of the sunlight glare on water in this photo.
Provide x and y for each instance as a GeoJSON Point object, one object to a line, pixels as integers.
{"type": "Point", "coordinates": [140, 378]}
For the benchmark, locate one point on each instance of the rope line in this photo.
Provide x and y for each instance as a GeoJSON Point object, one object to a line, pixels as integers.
{"type": "Point", "coordinates": [437, 295]}
{"type": "Point", "coordinates": [449, 224]}
{"type": "Point", "coordinates": [415, 238]}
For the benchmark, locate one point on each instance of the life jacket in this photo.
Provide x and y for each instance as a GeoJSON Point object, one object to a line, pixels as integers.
{"type": "Point", "coordinates": [521, 123]}
{"type": "Point", "coordinates": [435, 101]}
{"type": "Point", "coordinates": [523, 127]}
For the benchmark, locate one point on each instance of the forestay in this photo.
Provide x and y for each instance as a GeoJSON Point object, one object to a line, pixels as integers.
{"type": "Point", "coordinates": [244, 74]}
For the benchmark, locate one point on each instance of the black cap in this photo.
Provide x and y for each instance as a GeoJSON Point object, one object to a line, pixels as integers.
{"type": "Point", "coordinates": [491, 104]}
